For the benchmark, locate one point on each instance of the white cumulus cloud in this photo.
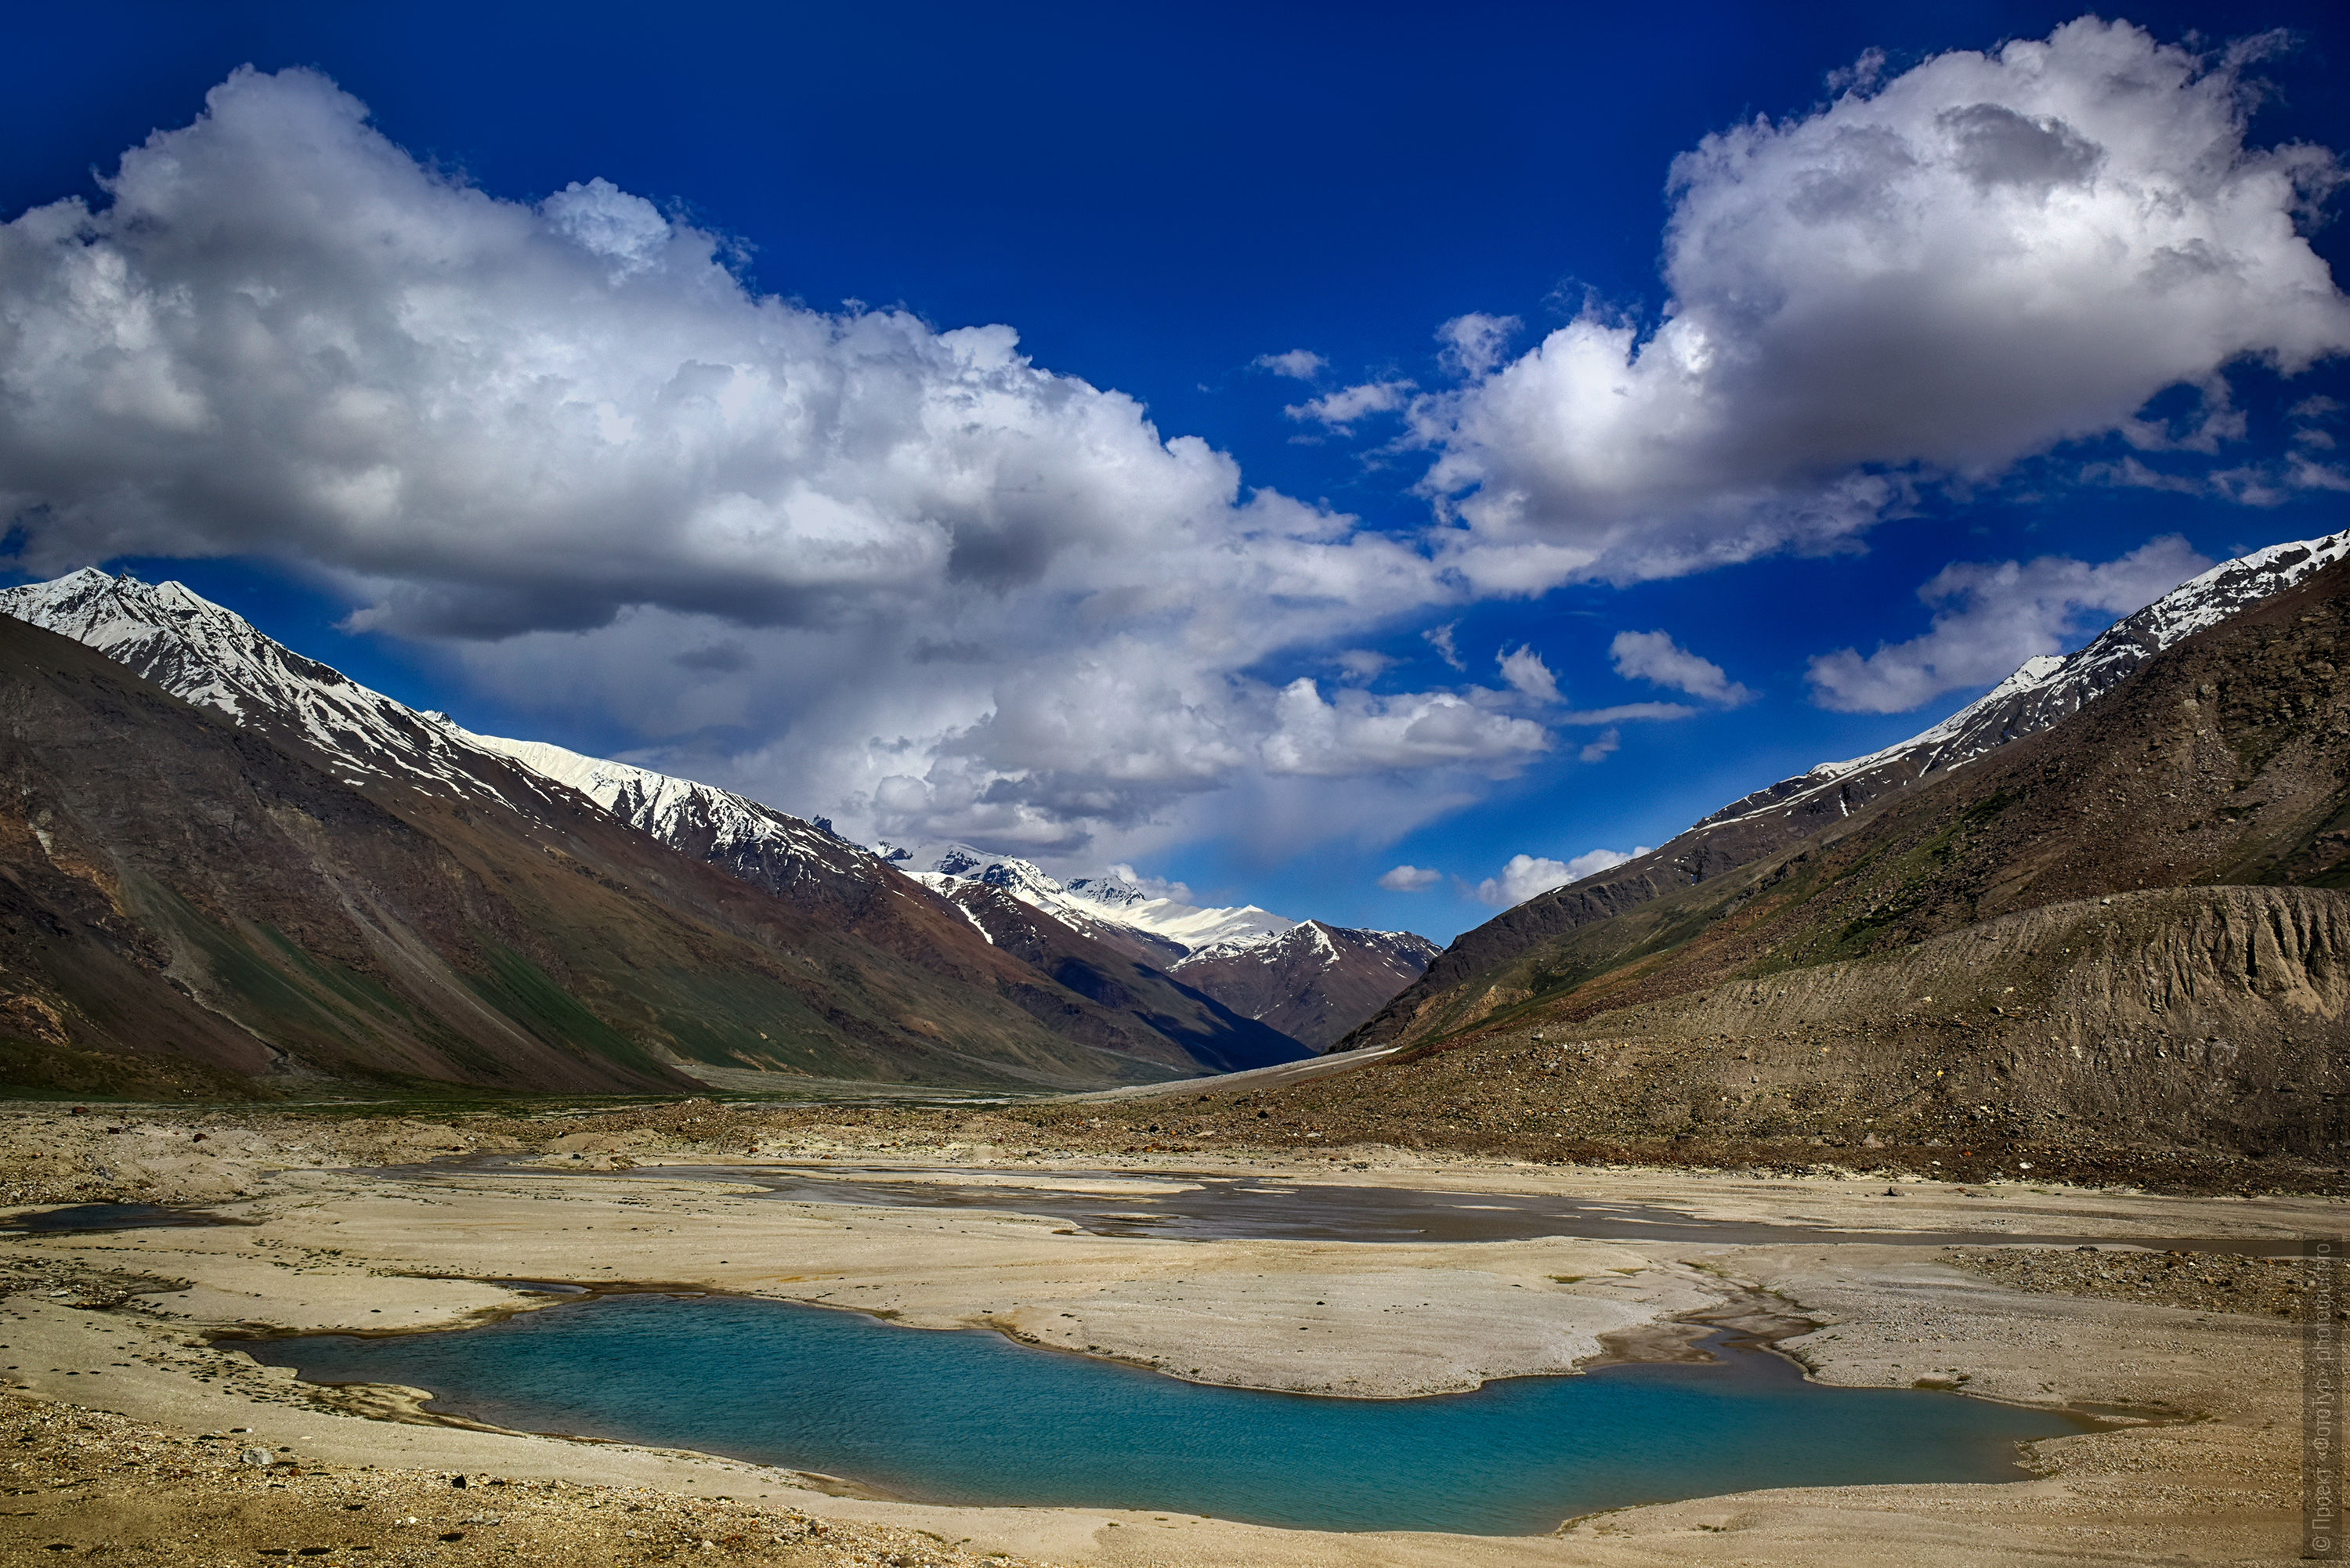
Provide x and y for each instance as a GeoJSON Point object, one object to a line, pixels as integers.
{"type": "Point", "coordinates": [1525, 875]}
{"type": "Point", "coordinates": [848, 562]}
{"type": "Point", "coordinates": [1992, 616]}
{"type": "Point", "coordinates": [1356, 733]}
{"type": "Point", "coordinates": [1410, 880]}
{"type": "Point", "coordinates": [1934, 276]}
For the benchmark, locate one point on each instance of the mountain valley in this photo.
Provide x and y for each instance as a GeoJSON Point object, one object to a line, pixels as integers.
{"type": "Point", "coordinates": [814, 957]}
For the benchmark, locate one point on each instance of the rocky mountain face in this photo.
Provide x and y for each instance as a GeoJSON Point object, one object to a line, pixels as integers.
{"type": "Point", "coordinates": [2115, 947]}
{"type": "Point", "coordinates": [2041, 694]}
{"type": "Point", "coordinates": [214, 658]}
{"type": "Point", "coordinates": [1311, 981]}
{"type": "Point", "coordinates": [1216, 1035]}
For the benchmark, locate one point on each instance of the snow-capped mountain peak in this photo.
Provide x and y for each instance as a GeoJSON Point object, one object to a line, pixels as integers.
{"type": "Point", "coordinates": [209, 656]}
{"type": "Point", "coordinates": [214, 658]}
{"type": "Point", "coordinates": [713, 823]}
{"type": "Point", "coordinates": [1313, 982]}
{"type": "Point", "coordinates": [1108, 906]}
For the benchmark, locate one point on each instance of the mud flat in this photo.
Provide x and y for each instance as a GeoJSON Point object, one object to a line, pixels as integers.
{"type": "Point", "coordinates": [337, 1230]}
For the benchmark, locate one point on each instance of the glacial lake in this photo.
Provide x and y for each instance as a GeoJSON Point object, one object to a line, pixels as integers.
{"type": "Point", "coordinates": [972, 1417]}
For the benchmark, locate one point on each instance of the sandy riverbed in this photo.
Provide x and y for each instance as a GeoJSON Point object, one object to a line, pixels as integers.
{"type": "Point", "coordinates": [127, 1322]}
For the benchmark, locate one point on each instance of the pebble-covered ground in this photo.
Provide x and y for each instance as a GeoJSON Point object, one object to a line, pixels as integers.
{"type": "Point", "coordinates": [2208, 1282]}
{"type": "Point", "coordinates": [80, 1484]}
{"type": "Point", "coordinates": [98, 1153]}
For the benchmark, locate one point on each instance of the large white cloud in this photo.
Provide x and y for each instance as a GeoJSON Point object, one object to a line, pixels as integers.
{"type": "Point", "coordinates": [855, 563]}
{"type": "Point", "coordinates": [1933, 276]}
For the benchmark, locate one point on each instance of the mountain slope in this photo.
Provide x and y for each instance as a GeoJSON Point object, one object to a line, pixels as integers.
{"type": "Point", "coordinates": [1212, 1033]}
{"type": "Point", "coordinates": [2118, 949]}
{"type": "Point", "coordinates": [2041, 694]}
{"type": "Point", "coordinates": [175, 889]}
{"type": "Point", "coordinates": [2175, 1036]}
{"type": "Point", "coordinates": [215, 657]}
{"type": "Point", "coordinates": [1313, 982]}
{"type": "Point", "coordinates": [187, 902]}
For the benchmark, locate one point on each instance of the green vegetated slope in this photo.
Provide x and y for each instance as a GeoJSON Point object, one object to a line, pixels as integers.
{"type": "Point", "coordinates": [189, 908]}
{"type": "Point", "coordinates": [2129, 927]}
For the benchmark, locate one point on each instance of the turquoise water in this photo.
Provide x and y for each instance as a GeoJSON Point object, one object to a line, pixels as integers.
{"type": "Point", "coordinates": [972, 1417]}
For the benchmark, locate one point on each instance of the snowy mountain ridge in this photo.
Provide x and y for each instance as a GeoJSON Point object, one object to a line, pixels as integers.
{"type": "Point", "coordinates": [214, 658]}
{"type": "Point", "coordinates": [209, 656]}
{"type": "Point", "coordinates": [2047, 688]}
{"type": "Point", "coordinates": [1311, 981]}
{"type": "Point", "coordinates": [1100, 907]}
{"type": "Point", "coordinates": [720, 824]}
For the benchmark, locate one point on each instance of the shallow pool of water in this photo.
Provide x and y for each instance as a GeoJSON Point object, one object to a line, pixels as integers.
{"type": "Point", "coordinates": [111, 1217]}
{"type": "Point", "coordinates": [972, 1417]}
{"type": "Point", "coordinates": [1204, 1207]}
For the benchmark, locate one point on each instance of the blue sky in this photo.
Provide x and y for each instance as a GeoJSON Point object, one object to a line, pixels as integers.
{"type": "Point", "coordinates": [993, 592]}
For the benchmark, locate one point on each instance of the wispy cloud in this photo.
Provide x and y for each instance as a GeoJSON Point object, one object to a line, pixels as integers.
{"type": "Point", "coordinates": [1524, 669]}
{"type": "Point", "coordinates": [1298, 364]}
{"type": "Point", "coordinates": [1475, 343]}
{"type": "Point", "coordinates": [1656, 658]}
{"type": "Point", "coordinates": [1343, 408]}
{"type": "Point", "coordinates": [1628, 713]}
{"type": "Point", "coordinates": [1439, 638]}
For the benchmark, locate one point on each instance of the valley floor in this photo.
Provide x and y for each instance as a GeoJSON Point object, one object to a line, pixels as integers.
{"type": "Point", "coordinates": [132, 1416]}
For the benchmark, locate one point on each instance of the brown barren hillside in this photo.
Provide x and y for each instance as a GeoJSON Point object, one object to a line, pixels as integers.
{"type": "Point", "coordinates": [1776, 819]}
{"type": "Point", "coordinates": [418, 764]}
{"type": "Point", "coordinates": [2221, 760]}
{"type": "Point", "coordinates": [2121, 936]}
